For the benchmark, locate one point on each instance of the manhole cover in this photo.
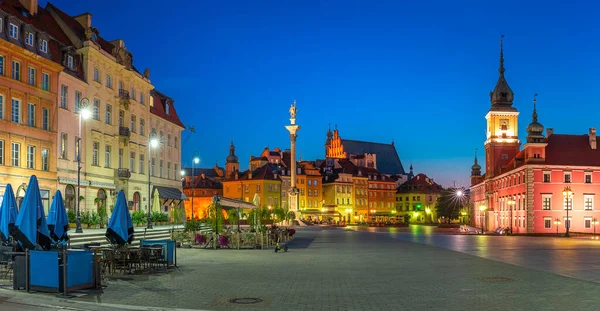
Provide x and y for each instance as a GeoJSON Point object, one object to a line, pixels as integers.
{"type": "Point", "coordinates": [245, 301]}
{"type": "Point", "coordinates": [495, 279]}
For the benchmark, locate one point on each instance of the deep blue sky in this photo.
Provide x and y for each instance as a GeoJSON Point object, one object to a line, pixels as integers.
{"type": "Point", "coordinates": [415, 72]}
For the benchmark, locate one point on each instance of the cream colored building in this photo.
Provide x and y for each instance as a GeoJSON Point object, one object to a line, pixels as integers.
{"type": "Point", "coordinates": [115, 139]}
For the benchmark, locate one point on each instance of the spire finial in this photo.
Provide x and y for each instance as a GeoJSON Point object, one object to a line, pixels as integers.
{"type": "Point", "coordinates": [501, 70]}
{"type": "Point", "coordinates": [475, 155]}
{"type": "Point", "coordinates": [232, 140]}
{"type": "Point", "coordinates": [534, 117]}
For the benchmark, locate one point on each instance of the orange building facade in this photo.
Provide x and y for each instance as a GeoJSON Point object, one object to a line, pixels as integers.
{"type": "Point", "coordinates": [29, 69]}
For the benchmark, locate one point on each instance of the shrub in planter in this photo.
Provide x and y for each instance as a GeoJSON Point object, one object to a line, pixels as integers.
{"type": "Point", "coordinates": [200, 239]}
{"type": "Point", "coordinates": [192, 225]}
{"type": "Point", "coordinates": [224, 241]}
{"type": "Point", "coordinates": [85, 218]}
{"type": "Point", "coordinates": [139, 218]}
{"type": "Point", "coordinates": [72, 216]}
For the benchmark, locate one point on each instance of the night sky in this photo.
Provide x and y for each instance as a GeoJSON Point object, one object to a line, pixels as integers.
{"type": "Point", "coordinates": [417, 73]}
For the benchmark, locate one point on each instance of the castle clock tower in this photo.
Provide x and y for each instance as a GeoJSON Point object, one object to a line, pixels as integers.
{"type": "Point", "coordinates": [502, 142]}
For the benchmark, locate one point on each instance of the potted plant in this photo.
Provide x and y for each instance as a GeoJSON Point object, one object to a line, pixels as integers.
{"type": "Point", "coordinates": [85, 219]}
{"type": "Point", "coordinates": [94, 221]}
{"type": "Point", "coordinates": [102, 216]}
{"type": "Point", "coordinates": [180, 237]}
{"type": "Point", "coordinates": [224, 241]}
{"type": "Point", "coordinates": [139, 218]}
{"type": "Point", "coordinates": [72, 216]}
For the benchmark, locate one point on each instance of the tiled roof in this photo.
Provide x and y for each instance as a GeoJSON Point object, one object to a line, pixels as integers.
{"type": "Point", "coordinates": [40, 21]}
{"type": "Point", "coordinates": [265, 172]}
{"type": "Point", "coordinates": [203, 183]}
{"type": "Point", "coordinates": [160, 100]}
{"type": "Point", "coordinates": [388, 161]}
{"type": "Point", "coordinates": [420, 183]}
{"type": "Point", "coordinates": [208, 172]}
{"type": "Point", "coordinates": [573, 150]}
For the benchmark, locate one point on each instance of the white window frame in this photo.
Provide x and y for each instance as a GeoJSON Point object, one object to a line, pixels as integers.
{"type": "Point", "coordinates": [96, 109]}
{"type": "Point", "coordinates": [544, 173]}
{"type": "Point", "coordinates": [108, 81]}
{"type": "Point", "coordinates": [585, 219]}
{"type": "Point", "coordinates": [142, 164]}
{"type": "Point", "coordinates": [13, 31]}
{"type": "Point", "coordinates": [45, 119]}
{"type": "Point", "coordinates": [15, 113]}
{"type": "Point", "coordinates": [548, 220]}
{"type": "Point", "coordinates": [31, 157]}
{"type": "Point", "coordinates": [15, 155]}
{"type": "Point", "coordinates": [31, 75]}
{"type": "Point", "coordinates": [107, 155]}
{"type": "Point", "coordinates": [16, 70]}
{"type": "Point", "coordinates": [31, 114]}
{"type": "Point", "coordinates": [587, 197]}
{"type": "Point", "coordinates": [45, 159]}
{"type": "Point", "coordinates": [78, 97]}
{"type": "Point", "coordinates": [108, 114]}
{"type": "Point", "coordinates": [29, 38]}
{"type": "Point", "coordinates": [586, 176]}
{"type": "Point", "coordinates": [64, 96]}
{"type": "Point", "coordinates": [95, 147]}
{"type": "Point", "coordinates": [570, 177]}
{"type": "Point", "coordinates": [70, 62]}
{"type": "Point", "coordinates": [132, 161]}
{"type": "Point", "coordinates": [2, 109]}
{"type": "Point", "coordinates": [64, 137]}
{"type": "Point", "coordinates": [570, 203]}
{"type": "Point", "coordinates": [45, 81]}
{"type": "Point", "coordinates": [44, 45]}
{"type": "Point", "coordinates": [97, 74]}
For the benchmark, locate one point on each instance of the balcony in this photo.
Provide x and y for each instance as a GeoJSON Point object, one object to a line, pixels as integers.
{"type": "Point", "coordinates": [124, 98]}
{"type": "Point", "coordinates": [123, 94]}
{"type": "Point", "coordinates": [123, 173]}
{"type": "Point", "coordinates": [124, 131]}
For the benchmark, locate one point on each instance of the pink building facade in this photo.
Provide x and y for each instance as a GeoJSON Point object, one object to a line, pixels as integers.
{"type": "Point", "coordinates": [523, 190]}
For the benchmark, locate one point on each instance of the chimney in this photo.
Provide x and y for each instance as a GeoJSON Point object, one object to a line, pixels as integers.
{"type": "Point", "coordinates": [249, 174]}
{"type": "Point", "coordinates": [593, 138]}
{"type": "Point", "coordinates": [549, 132]}
{"type": "Point", "coordinates": [236, 175]}
{"type": "Point", "coordinates": [30, 5]}
{"type": "Point", "coordinates": [117, 43]}
{"type": "Point", "coordinates": [84, 19]}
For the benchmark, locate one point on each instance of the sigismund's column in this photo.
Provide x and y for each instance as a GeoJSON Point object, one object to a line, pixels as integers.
{"type": "Point", "coordinates": [293, 128]}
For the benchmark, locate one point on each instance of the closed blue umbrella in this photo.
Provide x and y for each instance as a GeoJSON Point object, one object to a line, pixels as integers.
{"type": "Point", "coordinates": [30, 227]}
{"type": "Point", "coordinates": [120, 226]}
{"type": "Point", "coordinates": [8, 213]}
{"type": "Point", "coordinates": [58, 222]}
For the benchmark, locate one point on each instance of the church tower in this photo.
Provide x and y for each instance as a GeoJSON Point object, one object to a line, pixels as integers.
{"type": "Point", "coordinates": [475, 171]}
{"type": "Point", "coordinates": [502, 143]}
{"type": "Point", "coordinates": [232, 165]}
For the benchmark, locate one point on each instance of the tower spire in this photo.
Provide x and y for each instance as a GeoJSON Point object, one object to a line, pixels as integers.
{"type": "Point", "coordinates": [501, 69]}
{"type": "Point", "coordinates": [534, 116]}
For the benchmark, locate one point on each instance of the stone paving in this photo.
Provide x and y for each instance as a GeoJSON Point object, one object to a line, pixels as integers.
{"type": "Point", "coordinates": [343, 269]}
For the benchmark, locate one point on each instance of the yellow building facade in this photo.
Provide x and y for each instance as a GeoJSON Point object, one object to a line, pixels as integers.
{"type": "Point", "coordinates": [265, 182]}
{"type": "Point", "coordinates": [416, 199]}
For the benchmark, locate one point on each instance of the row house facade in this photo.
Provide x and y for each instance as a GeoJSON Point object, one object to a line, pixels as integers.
{"type": "Point", "coordinates": [52, 65]}
{"type": "Point", "coordinates": [547, 186]}
{"type": "Point", "coordinates": [30, 64]}
{"type": "Point", "coordinates": [416, 199]}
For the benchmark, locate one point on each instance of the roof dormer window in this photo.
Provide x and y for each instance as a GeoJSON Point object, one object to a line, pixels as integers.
{"type": "Point", "coordinates": [70, 62]}
{"type": "Point", "coordinates": [44, 46]}
{"type": "Point", "coordinates": [168, 109]}
{"type": "Point", "coordinates": [29, 39]}
{"type": "Point", "coordinates": [13, 31]}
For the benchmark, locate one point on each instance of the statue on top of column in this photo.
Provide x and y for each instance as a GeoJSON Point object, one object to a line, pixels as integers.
{"type": "Point", "coordinates": [293, 110]}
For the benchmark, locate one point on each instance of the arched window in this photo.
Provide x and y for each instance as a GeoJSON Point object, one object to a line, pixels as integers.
{"type": "Point", "coordinates": [100, 198]}
{"type": "Point", "coordinates": [136, 201]}
{"type": "Point", "coordinates": [20, 195]}
{"type": "Point", "coordinates": [70, 200]}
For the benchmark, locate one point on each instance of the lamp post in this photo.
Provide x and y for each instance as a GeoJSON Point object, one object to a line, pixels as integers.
{"type": "Point", "coordinates": [459, 195]}
{"type": "Point", "coordinates": [595, 222]}
{"type": "Point", "coordinates": [482, 209]}
{"type": "Point", "coordinates": [568, 194]}
{"type": "Point", "coordinates": [84, 114]}
{"type": "Point", "coordinates": [195, 160]}
{"type": "Point", "coordinates": [556, 223]}
{"type": "Point", "coordinates": [152, 143]}
{"type": "Point", "coordinates": [511, 204]}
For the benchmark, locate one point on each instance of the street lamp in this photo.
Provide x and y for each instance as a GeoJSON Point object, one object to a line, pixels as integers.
{"type": "Point", "coordinates": [195, 160]}
{"type": "Point", "coordinates": [595, 222]}
{"type": "Point", "coordinates": [84, 114]}
{"type": "Point", "coordinates": [482, 209]}
{"type": "Point", "coordinates": [568, 194]}
{"type": "Point", "coordinates": [556, 223]}
{"type": "Point", "coordinates": [511, 204]}
{"type": "Point", "coordinates": [152, 143]}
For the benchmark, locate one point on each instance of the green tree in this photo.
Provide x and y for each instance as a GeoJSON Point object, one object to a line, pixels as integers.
{"type": "Point", "coordinates": [450, 203]}
{"type": "Point", "coordinates": [215, 217]}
